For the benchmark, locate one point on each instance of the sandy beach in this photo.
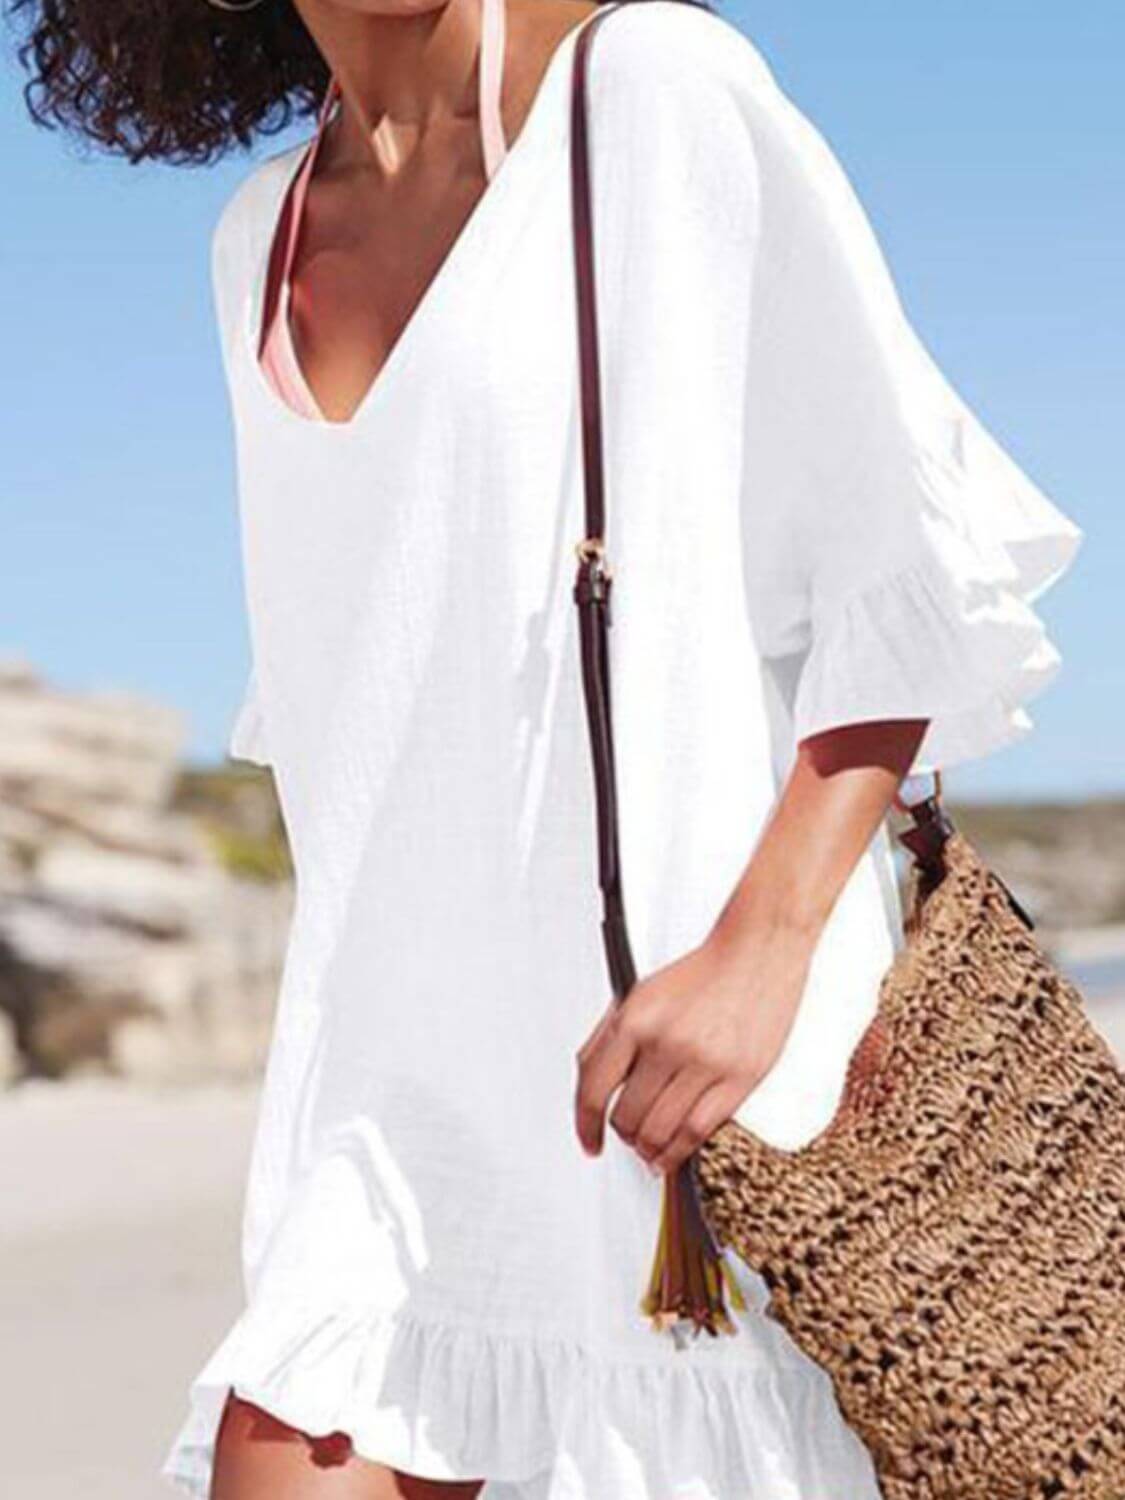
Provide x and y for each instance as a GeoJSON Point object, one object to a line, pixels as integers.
{"type": "Point", "coordinates": [119, 1272]}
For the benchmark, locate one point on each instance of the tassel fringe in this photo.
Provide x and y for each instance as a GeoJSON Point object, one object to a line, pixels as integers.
{"type": "Point", "coordinates": [689, 1277]}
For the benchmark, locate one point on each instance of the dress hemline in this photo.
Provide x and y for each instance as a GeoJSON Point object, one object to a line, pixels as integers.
{"type": "Point", "coordinates": [535, 1418]}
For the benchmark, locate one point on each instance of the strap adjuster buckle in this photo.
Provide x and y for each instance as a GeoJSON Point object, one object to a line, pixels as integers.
{"type": "Point", "coordinates": [594, 580]}
{"type": "Point", "coordinates": [591, 549]}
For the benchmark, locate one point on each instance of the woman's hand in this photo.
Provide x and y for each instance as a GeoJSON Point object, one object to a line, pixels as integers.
{"type": "Point", "coordinates": [693, 1039]}
{"type": "Point", "coordinates": [689, 1043]}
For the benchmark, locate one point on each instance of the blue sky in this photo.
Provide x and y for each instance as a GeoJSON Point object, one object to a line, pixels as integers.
{"type": "Point", "coordinates": [987, 141]}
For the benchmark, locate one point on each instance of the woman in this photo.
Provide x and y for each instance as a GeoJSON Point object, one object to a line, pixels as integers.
{"type": "Point", "coordinates": [824, 567]}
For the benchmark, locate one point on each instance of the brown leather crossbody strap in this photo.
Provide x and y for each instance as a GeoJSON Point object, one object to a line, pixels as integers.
{"type": "Point", "coordinates": [689, 1279]}
{"type": "Point", "coordinates": [592, 584]}
{"type": "Point", "coordinates": [582, 218]}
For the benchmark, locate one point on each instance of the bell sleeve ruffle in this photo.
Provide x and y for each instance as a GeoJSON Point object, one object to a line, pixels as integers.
{"type": "Point", "coordinates": [247, 738]}
{"type": "Point", "coordinates": [890, 543]}
{"type": "Point", "coordinates": [946, 634]}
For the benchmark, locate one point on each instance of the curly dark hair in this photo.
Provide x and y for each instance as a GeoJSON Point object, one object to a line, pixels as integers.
{"type": "Point", "coordinates": [174, 80]}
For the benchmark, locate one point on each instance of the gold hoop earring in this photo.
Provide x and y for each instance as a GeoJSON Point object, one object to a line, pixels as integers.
{"type": "Point", "coordinates": [233, 7]}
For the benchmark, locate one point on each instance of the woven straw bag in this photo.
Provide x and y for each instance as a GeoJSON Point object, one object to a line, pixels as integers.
{"type": "Point", "coordinates": [951, 1249]}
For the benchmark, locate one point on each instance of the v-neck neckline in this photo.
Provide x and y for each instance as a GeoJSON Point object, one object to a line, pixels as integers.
{"type": "Point", "coordinates": [472, 228]}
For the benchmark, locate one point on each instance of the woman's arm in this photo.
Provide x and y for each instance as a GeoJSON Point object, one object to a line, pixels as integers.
{"type": "Point", "coordinates": [692, 1040]}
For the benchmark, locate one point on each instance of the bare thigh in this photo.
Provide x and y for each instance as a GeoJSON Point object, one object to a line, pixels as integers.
{"type": "Point", "coordinates": [258, 1457]}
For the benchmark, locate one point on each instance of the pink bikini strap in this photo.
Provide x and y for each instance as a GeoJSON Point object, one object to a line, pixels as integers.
{"type": "Point", "coordinates": [296, 206]}
{"type": "Point", "coordinates": [289, 224]}
{"type": "Point", "coordinates": [490, 73]}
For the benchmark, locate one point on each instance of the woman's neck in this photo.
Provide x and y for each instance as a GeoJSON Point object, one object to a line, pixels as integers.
{"type": "Point", "coordinates": [399, 71]}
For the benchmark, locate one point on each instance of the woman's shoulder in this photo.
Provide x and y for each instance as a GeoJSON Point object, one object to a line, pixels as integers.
{"type": "Point", "coordinates": [682, 105]}
{"type": "Point", "coordinates": [680, 85]}
{"type": "Point", "coordinates": [245, 215]}
{"type": "Point", "coordinates": [677, 79]}
{"type": "Point", "coordinates": [240, 231]}
{"type": "Point", "coordinates": [659, 46]}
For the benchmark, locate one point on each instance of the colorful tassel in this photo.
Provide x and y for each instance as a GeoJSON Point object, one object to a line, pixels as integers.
{"type": "Point", "coordinates": [689, 1274]}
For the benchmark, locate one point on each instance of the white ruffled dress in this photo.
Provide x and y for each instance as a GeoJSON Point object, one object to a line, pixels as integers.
{"type": "Point", "coordinates": [807, 529]}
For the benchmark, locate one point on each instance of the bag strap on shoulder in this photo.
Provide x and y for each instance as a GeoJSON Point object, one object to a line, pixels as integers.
{"type": "Point", "coordinates": [593, 582]}
{"type": "Point", "coordinates": [690, 1280]}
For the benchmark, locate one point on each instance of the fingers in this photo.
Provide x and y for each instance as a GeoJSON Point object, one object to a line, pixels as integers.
{"type": "Point", "coordinates": [656, 1113]}
{"type": "Point", "coordinates": [604, 1061]}
{"type": "Point", "coordinates": [598, 1032]}
{"type": "Point", "coordinates": [649, 1079]}
{"type": "Point", "coordinates": [694, 1125]}
{"type": "Point", "coordinates": [676, 1083]}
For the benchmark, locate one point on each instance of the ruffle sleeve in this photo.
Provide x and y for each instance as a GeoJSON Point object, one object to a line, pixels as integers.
{"type": "Point", "coordinates": [247, 739]}
{"type": "Point", "coordinates": [888, 538]}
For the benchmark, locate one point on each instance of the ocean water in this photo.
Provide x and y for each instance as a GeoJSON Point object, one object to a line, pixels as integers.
{"type": "Point", "coordinates": [1098, 978]}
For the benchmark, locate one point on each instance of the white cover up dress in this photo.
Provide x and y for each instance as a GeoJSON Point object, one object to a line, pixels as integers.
{"type": "Point", "coordinates": [807, 528]}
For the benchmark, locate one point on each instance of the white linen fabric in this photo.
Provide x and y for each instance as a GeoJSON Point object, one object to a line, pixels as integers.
{"type": "Point", "coordinates": [807, 529]}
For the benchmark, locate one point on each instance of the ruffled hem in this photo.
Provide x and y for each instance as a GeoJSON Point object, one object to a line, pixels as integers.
{"type": "Point", "coordinates": [539, 1417]}
{"type": "Point", "coordinates": [949, 635]}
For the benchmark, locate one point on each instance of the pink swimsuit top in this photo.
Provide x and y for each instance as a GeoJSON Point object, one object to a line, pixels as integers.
{"type": "Point", "coordinates": [276, 353]}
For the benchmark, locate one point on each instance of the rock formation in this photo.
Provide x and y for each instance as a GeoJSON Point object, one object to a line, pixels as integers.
{"type": "Point", "coordinates": [129, 940]}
